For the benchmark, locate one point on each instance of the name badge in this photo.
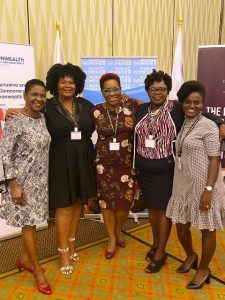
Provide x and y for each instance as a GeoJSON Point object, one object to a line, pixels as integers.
{"type": "Point", "coordinates": [75, 135]}
{"type": "Point", "coordinates": [150, 142]}
{"type": "Point", "coordinates": [114, 146]}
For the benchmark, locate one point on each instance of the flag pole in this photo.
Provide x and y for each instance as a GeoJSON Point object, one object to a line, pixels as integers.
{"type": "Point", "coordinates": [58, 58]}
{"type": "Point", "coordinates": [177, 68]}
{"type": "Point", "coordinates": [180, 22]}
{"type": "Point", "coordinates": [58, 26]}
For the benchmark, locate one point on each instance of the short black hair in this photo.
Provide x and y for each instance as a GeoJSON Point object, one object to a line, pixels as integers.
{"type": "Point", "coordinates": [109, 76]}
{"type": "Point", "coordinates": [158, 76]}
{"type": "Point", "coordinates": [30, 83]}
{"type": "Point", "coordinates": [189, 87]}
{"type": "Point", "coordinates": [58, 71]}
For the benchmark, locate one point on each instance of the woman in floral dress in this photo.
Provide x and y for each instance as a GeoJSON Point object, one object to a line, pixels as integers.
{"type": "Point", "coordinates": [114, 121]}
{"type": "Point", "coordinates": [24, 176]}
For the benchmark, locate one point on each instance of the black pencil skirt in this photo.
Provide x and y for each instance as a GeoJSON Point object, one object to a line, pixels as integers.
{"type": "Point", "coordinates": [156, 180]}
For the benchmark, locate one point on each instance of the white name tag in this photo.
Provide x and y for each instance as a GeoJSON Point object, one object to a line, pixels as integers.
{"type": "Point", "coordinates": [179, 164]}
{"type": "Point", "coordinates": [114, 146]}
{"type": "Point", "coordinates": [75, 135]}
{"type": "Point", "coordinates": [150, 142]}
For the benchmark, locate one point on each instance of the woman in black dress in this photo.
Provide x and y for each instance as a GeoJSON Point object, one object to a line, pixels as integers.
{"type": "Point", "coordinates": [71, 174]}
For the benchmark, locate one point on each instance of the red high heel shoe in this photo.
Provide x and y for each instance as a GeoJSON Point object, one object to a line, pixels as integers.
{"type": "Point", "coordinates": [43, 290]}
{"type": "Point", "coordinates": [109, 254]}
{"type": "Point", "coordinates": [121, 243]}
{"type": "Point", "coordinates": [20, 266]}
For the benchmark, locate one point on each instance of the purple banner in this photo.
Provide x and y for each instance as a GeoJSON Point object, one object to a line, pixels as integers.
{"type": "Point", "coordinates": [211, 72]}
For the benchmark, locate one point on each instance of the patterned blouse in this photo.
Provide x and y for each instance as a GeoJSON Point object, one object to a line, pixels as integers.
{"type": "Point", "coordinates": [24, 156]}
{"type": "Point", "coordinates": [161, 128]}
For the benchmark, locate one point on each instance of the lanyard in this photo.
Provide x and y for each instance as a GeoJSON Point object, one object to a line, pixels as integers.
{"type": "Point", "coordinates": [110, 120]}
{"type": "Point", "coordinates": [72, 116]}
{"type": "Point", "coordinates": [181, 140]}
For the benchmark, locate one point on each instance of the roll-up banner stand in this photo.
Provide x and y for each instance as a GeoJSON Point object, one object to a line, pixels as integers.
{"type": "Point", "coordinates": [211, 73]}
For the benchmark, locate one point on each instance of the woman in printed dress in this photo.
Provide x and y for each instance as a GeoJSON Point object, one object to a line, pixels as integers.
{"type": "Point", "coordinates": [24, 176]}
{"type": "Point", "coordinates": [198, 190]}
{"type": "Point", "coordinates": [114, 121]}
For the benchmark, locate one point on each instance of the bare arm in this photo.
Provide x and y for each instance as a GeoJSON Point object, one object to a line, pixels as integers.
{"type": "Point", "coordinates": [213, 171]}
{"type": "Point", "coordinates": [11, 113]}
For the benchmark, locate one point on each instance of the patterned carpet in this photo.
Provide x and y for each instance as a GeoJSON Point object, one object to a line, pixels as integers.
{"type": "Point", "coordinates": [121, 278]}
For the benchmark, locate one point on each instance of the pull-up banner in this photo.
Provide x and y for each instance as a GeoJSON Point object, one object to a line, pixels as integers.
{"type": "Point", "coordinates": [16, 67]}
{"type": "Point", "coordinates": [132, 72]}
{"type": "Point", "coordinates": [211, 73]}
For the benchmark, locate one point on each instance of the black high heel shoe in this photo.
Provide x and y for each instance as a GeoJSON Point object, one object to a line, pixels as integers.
{"type": "Point", "coordinates": [195, 286]}
{"type": "Point", "coordinates": [150, 253]}
{"type": "Point", "coordinates": [155, 265]}
{"type": "Point", "coordinates": [194, 265]}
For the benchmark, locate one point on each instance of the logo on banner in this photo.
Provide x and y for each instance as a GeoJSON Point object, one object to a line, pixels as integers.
{"type": "Point", "coordinates": [12, 60]}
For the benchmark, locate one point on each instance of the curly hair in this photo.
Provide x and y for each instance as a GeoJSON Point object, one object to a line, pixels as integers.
{"type": "Point", "coordinates": [32, 82]}
{"type": "Point", "coordinates": [58, 71]}
{"type": "Point", "coordinates": [189, 87]}
{"type": "Point", "coordinates": [109, 76]}
{"type": "Point", "coordinates": [158, 76]}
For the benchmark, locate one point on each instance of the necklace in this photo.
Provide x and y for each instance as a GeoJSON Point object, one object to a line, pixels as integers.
{"type": "Point", "coordinates": [182, 138]}
{"type": "Point", "coordinates": [114, 129]}
{"type": "Point", "coordinates": [156, 112]}
{"type": "Point", "coordinates": [153, 113]}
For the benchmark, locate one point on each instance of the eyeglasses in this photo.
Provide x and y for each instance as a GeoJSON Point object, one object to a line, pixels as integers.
{"type": "Point", "coordinates": [157, 90]}
{"type": "Point", "coordinates": [111, 91]}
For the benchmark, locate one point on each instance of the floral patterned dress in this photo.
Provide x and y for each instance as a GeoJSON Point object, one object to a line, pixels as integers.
{"type": "Point", "coordinates": [24, 156]}
{"type": "Point", "coordinates": [115, 176]}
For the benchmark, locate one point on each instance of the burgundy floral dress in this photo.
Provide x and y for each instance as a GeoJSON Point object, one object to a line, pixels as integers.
{"type": "Point", "coordinates": [115, 177]}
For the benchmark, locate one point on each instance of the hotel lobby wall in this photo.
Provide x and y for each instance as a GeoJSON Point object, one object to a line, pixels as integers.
{"type": "Point", "coordinates": [112, 27]}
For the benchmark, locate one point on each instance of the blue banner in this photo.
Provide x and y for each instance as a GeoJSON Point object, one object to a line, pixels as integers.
{"type": "Point", "coordinates": [132, 72]}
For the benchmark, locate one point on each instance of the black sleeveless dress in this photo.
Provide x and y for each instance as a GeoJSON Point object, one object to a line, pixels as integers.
{"type": "Point", "coordinates": [71, 171]}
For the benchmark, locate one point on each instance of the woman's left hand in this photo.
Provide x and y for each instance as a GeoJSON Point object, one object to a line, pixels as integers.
{"type": "Point", "coordinates": [205, 201]}
{"type": "Point", "coordinates": [124, 97]}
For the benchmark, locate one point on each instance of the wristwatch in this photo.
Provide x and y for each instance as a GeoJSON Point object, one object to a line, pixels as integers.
{"type": "Point", "coordinates": [209, 188]}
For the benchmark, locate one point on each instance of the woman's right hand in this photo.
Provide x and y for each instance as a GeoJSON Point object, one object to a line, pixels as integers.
{"type": "Point", "coordinates": [17, 193]}
{"type": "Point", "coordinates": [11, 113]}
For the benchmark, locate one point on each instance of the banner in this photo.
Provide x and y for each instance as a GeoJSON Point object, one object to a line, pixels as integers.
{"type": "Point", "coordinates": [211, 73]}
{"type": "Point", "coordinates": [132, 72]}
{"type": "Point", "coordinates": [16, 67]}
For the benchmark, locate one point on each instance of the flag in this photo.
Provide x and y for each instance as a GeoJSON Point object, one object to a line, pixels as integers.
{"type": "Point", "coordinates": [58, 57]}
{"type": "Point", "coordinates": [177, 70]}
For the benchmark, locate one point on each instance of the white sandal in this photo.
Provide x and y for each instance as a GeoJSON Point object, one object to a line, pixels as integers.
{"type": "Point", "coordinates": [66, 270]}
{"type": "Point", "coordinates": [75, 256]}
